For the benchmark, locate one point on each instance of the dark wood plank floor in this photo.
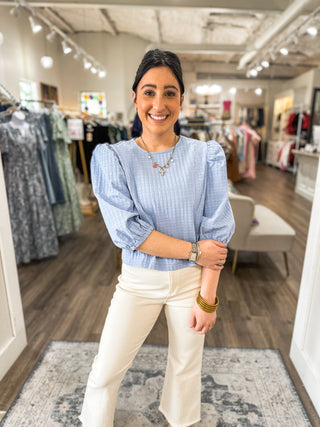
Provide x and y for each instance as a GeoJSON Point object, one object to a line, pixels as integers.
{"type": "Point", "coordinates": [67, 297]}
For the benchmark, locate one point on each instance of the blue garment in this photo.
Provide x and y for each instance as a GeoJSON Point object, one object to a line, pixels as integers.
{"type": "Point", "coordinates": [190, 202]}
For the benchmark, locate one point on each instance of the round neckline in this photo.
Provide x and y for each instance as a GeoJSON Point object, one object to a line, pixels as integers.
{"type": "Point", "coordinates": [157, 152]}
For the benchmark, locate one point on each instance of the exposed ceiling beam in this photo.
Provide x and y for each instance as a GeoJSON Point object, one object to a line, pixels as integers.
{"type": "Point", "coordinates": [60, 20]}
{"type": "Point", "coordinates": [200, 48]}
{"type": "Point", "coordinates": [221, 6]}
{"type": "Point", "coordinates": [285, 19]}
{"type": "Point", "coordinates": [111, 24]}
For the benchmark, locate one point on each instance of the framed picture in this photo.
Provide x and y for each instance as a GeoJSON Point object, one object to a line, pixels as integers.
{"type": "Point", "coordinates": [93, 103]}
{"type": "Point", "coordinates": [49, 93]}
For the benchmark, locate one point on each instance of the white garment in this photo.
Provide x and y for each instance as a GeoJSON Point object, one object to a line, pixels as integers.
{"type": "Point", "coordinates": [135, 307]}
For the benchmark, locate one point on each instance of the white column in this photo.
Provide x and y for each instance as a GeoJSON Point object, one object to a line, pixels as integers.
{"type": "Point", "coordinates": [305, 345]}
{"type": "Point", "coordinates": [12, 329]}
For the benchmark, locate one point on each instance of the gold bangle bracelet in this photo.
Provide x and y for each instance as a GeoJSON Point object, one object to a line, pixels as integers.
{"type": "Point", "coordinates": [208, 308]}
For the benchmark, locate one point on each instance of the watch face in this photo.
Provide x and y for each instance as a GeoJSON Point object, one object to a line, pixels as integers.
{"type": "Point", "coordinates": [193, 257]}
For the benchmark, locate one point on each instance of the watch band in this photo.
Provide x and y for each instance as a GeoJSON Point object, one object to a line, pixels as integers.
{"type": "Point", "coordinates": [193, 256]}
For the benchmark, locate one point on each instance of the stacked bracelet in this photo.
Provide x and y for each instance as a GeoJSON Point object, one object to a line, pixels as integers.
{"type": "Point", "coordinates": [208, 308]}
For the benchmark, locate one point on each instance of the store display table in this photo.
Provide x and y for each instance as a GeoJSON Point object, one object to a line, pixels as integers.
{"type": "Point", "coordinates": [307, 173]}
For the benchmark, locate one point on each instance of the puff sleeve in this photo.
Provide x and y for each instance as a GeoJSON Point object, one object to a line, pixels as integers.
{"type": "Point", "coordinates": [125, 226]}
{"type": "Point", "coordinates": [217, 222]}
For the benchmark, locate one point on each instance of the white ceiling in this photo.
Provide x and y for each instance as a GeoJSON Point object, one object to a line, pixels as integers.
{"type": "Point", "coordinates": [231, 35]}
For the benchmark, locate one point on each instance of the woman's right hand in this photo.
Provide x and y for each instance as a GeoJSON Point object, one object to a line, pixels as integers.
{"type": "Point", "coordinates": [213, 254]}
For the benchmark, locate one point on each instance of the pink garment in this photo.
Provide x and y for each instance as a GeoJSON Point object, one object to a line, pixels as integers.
{"type": "Point", "coordinates": [251, 142]}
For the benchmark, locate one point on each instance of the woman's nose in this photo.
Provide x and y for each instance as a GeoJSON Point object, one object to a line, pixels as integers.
{"type": "Point", "coordinates": [158, 103]}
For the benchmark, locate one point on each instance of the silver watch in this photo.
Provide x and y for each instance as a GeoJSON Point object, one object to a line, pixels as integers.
{"type": "Point", "coordinates": [194, 256]}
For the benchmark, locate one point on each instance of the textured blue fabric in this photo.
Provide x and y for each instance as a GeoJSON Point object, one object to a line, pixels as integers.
{"type": "Point", "coordinates": [189, 202]}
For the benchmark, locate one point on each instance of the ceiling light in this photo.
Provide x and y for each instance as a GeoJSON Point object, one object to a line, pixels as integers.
{"type": "Point", "coordinates": [259, 68]}
{"type": "Point", "coordinates": [233, 90]}
{"type": "Point", "coordinates": [35, 26]}
{"type": "Point", "coordinates": [46, 61]}
{"type": "Point", "coordinates": [15, 11]}
{"type": "Point", "coordinates": [87, 64]}
{"type": "Point", "coordinates": [51, 36]}
{"type": "Point", "coordinates": [214, 89]}
{"type": "Point", "coordinates": [102, 74]}
{"type": "Point", "coordinates": [253, 72]}
{"type": "Point", "coordinates": [93, 70]}
{"type": "Point", "coordinates": [258, 91]}
{"type": "Point", "coordinates": [284, 51]}
{"type": "Point", "coordinates": [65, 47]}
{"type": "Point", "coordinates": [77, 55]}
{"type": "Point", "coordinates": [312, 31]}
{"type": "Point", "coordinates": [265, 64]}
{"type": "Point", "coordinates": [295, 39]}
{"type": "Point", "coordinates": [1, 39]}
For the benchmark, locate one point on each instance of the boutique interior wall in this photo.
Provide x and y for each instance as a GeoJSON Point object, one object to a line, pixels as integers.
{"type": "Point", "coordinates": [20, 59]}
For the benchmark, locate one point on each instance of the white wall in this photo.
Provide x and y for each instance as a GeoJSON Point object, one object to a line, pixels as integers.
{"type": "Point", "coordinates": [120, 55]}
{"type": "Point", "coordinates": [20, 59]}
{"type": "Point", "coordinates": [21, 52]}
{"type": "Point", "coordinates": [305, 345]}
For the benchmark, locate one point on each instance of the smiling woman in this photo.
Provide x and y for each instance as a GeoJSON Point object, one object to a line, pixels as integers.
{"type": "Point", "coordinates": [164, 200]}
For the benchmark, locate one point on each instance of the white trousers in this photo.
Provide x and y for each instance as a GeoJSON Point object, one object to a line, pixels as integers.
{"type": "Point", "coordinates": [135, 306]}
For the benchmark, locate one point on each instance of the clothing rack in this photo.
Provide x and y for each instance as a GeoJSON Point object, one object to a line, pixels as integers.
{"type": "Point", "coordinates": [8, 96]}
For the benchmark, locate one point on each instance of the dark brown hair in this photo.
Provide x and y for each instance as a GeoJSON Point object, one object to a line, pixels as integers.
{"type": "Point", "coordinates": [159, 58]}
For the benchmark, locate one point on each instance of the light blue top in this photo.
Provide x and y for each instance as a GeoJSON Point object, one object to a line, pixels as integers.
{"type": "Point", "coordinates": [190, 202]}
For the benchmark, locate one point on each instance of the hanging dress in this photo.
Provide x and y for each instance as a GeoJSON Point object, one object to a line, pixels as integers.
{"type": "Point", "coordinates": [32, 223]}
{"type": "Point", "coordinates": [67, 216]}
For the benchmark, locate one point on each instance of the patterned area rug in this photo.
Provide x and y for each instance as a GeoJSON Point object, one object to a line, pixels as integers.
{"type": "Point", "coordinates": [240, 387]}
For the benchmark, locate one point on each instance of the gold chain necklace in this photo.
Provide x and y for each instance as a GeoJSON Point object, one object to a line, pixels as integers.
{"type": "Point", "coordinates": [155, 164]}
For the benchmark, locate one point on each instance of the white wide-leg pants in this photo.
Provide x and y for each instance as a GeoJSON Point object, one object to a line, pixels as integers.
{"type": "Point", "coordinates": [135, 307]}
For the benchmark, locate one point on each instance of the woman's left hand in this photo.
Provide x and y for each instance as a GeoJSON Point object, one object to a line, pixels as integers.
{"type": "Point", "coordinates": [201, 321]}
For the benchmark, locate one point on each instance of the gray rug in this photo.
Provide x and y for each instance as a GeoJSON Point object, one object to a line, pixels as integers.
{"type": "Point", "coordinates": [240, 387]}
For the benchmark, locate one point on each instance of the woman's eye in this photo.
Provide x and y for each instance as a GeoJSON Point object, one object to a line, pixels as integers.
{"type": "Point", "coordinates": [170, 94]}
{"type": "Point", "coordinates": [148, 92]}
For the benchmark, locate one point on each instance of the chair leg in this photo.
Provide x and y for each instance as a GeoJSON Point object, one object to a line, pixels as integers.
{"type": "Point", "coordinates": [286, 262]}
{"type": "Point", "coordinates": [234, 263]}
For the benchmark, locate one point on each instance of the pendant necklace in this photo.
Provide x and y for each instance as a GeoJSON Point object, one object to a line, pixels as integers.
{"type": "Point", "coordinates": [155, 164]}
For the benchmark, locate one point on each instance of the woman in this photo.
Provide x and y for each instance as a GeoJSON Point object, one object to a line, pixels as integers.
{"type": "Point", "coordinates": [164, 200]}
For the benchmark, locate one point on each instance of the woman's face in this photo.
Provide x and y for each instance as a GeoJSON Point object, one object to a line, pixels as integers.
{"type": "Point", "coordinates": [158, 101]}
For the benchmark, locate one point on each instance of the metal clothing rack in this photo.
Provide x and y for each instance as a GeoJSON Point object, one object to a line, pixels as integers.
{"type": "Point", "coordinates": [8, 96]}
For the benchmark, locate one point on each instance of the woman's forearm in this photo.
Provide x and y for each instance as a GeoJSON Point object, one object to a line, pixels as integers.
{"type": "Point", "coordinates": [213, 253]}
{"type": "Point", "coordinates": [209, 284]}
{"type": "Point", "coordinates": [162, 245]}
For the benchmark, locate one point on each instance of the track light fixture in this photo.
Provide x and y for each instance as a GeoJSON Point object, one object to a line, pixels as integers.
{"type": "Point", "coordinates": [284, 51]}
{"type": "Point", "coordinates": [37, 19]}
{"type": "Point", "coordinates": [51, 36]}
{"type": "Point", "coordinates": [312, 31]}
{"type": "Point", "coordinates": [258, 91]}
{"type": "Point", "coordinates": [86, 64]}
{"type": "Point", "coordinates": [77, 55]}
{"type": "Point", "coordinates": [102, 74]}
{"type": "Point", "coordinates": [35, 25]}
{"type": "Point", "coordinates": [265, 64]}
{"type": "Point", "coordinates": [65, 47]}
{"type": "Point", "coordinates": [15, 11]}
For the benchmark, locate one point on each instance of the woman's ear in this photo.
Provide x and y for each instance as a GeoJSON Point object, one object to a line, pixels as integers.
{"type": "Point", "coordinates": [134, 97]}
{"type": "Point", "coordinates": [181, 100]}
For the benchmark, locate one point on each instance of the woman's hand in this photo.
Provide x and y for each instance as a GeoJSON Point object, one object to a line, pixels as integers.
{"type": "Point", "coordinates": [201, 321]}
{"type": "Point", "coordinates": [213, 254]}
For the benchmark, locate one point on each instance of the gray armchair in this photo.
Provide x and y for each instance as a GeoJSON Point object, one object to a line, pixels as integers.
{"type": "Point", "coordinates": [271, 233]}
